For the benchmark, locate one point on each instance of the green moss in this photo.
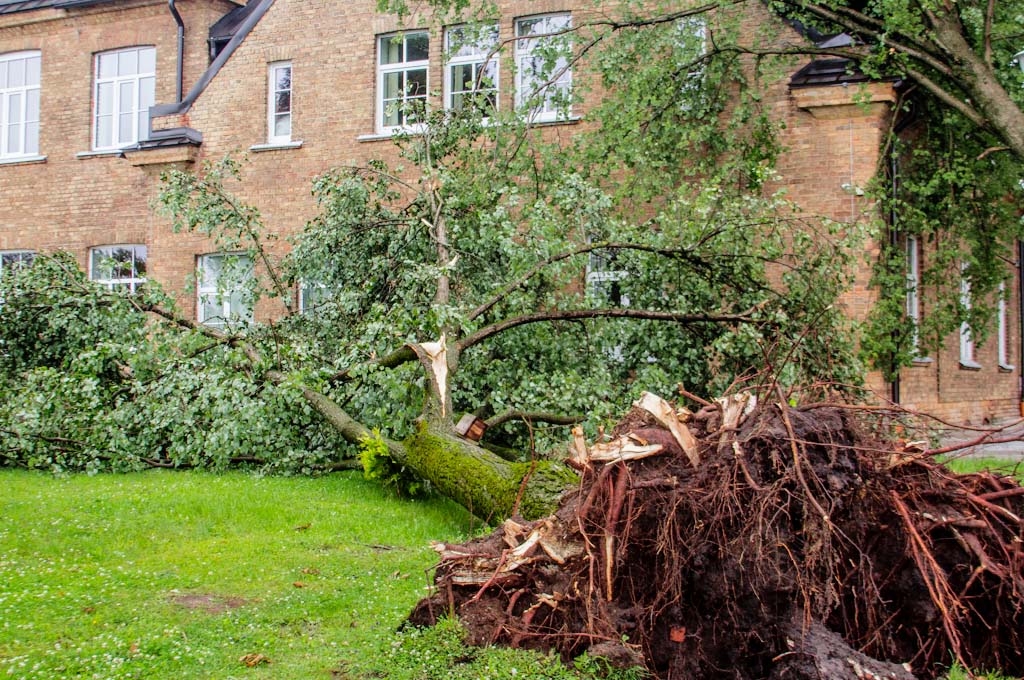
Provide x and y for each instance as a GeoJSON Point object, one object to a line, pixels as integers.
{"type": "Point", "coordinates": [482, 482]}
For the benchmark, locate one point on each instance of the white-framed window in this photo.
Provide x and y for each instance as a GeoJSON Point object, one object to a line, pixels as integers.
{"type": "Point", "coordinates": [913, 301]}
{"type": "Point", "coordinates": [692, 42]}
{"type": "Point", "coordinates": [279, 102]}
{"type": "Point", "coordinates": [471, 74]}
{"type": "Point", "coordinates": [402, 68]}
{"type": "Point", "coordinates": [20, 74]}
{"type": "Point", "coordinates": [125, 88]}
{"type": "Point", "coordinates": [603, 277]}
{"type": "Point", "coordinates": [13, 260]}
{"type": "Point", "coordinates": [118, 267]}
{"type": "Point", "coordinates": [543, 72]}
{"type": "Point", "coordinates": [311, 296]}
{"type": "Point", "coordinates": [1004, 330]}
{"type": "Point", "coordinates": [224, 295]}
{"type": "Point", "coordinates": [968, 358]}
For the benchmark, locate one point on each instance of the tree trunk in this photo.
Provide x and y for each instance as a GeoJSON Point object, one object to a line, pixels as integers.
{"type": "Point", "coordinates": [482, 482]}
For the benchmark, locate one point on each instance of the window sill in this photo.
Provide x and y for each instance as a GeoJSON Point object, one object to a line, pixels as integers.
{"type": "Point", "coordinates": [379, 136]}
{"type": "Point", "coordinates": [968, 365]}
{"type": "Point", "coordinates": [20, 160]}
{"type": "Point", "coordinates": [275, 146]}
{"type": "Point", "coordinates": [1006, 368]}
{"type": "Point", "coordinates": [546, 122]}
{"type": "Point", "coordinates": [99, 154]}
{"type": "Point", "coordinates": [922, 361]}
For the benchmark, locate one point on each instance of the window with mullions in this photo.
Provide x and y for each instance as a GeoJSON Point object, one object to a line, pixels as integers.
{"type": "Point", "coordinates": [223, 290]}
{"type": "Point", "coordinates": [120, 267]}
{"type": "Point", "coordinates": [1004, 331]}
{"type": "Point", "coordinates": [543, 73]}
{"type": "Point", "coordinates": [604, 277]}
{"type": "Point", "coordinates": [125, 89]}
{"type": "Point", "coordinates": [13, 260]}
{"type": "Point", "coordinates": [913, 299]}
{"type": "Point", "coordinates": [691, 45]}
{"type": "Point", "coordinates": [402, 65]}
{"type": "Point", "coordinates": [968, 358]}
{"type": "Point", "coordinates": [471, 76]}
{"type": "Point", "coordinates": [279, 113]}
{"type": "Point", "coordinates": [19, 104]}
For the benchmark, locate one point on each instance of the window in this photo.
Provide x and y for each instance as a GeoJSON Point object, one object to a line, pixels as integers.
{"type": "Point", "coordinates": [913, 302]}
{"type": "Point", "coordinates": [471, 77]}
{"type": "Point", "coordinates": [121, 267]}
{"type": "Point", "coordinates": [224, 295]}
{"type": "Point", "coordinates": [13, 260]}
{"type": "Point", "coordinates": [967, 353]}
{"type": "Point", "coordinates": [543, 74]}
{"type": "Point", "coordinates": [125, 89]}
{"type": "Point", "coordinates": [402, 62]}
{"type": "Point", "coordinates": [312, 296]}
{"type": "Point", "coordinates": [603, 277]}
{"type": "Point", "coordinates": [279, 112]}
{"type": "Point", "coordinates": [691, 44]}
{"type": "Point", "coordinates": [19, 104]}
{"type": "Point", "coordinates": [1004, 331]}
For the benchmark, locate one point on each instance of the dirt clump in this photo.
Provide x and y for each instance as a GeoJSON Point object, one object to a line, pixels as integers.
{"type": "Point", "coordinates": [787, 544]}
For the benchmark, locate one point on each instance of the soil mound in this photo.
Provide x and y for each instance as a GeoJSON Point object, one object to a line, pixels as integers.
{"type": "Point", "coordinates": [750, 542]}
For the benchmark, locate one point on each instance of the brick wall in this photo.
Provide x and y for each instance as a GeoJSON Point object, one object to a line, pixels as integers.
{"type": "Point", "coordinates": [69, 202]}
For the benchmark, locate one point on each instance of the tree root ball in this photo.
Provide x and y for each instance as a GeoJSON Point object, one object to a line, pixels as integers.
{"type": "Point", "coordinates": [798, 547]}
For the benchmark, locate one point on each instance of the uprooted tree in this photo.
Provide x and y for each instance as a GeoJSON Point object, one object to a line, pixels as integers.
{"type": "Point", "coordinates": [531, 285]}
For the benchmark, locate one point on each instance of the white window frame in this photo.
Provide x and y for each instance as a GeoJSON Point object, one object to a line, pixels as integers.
{"type": "Point", "coordinates": [107, 119]}
{"type": "Point", "coordinates": [544, 97]}
{"type": "Point", "coordinates": [21, 258]}
{"type": "Point", "coordinates": [274, 112]}
{"type": "Point", "coordinates": [693, 27]}
{"type": "Point", "coordinates": [968, 356]}
{"type": "Point", "coordinates": [312, 295]}
{"type": "Point", "coordinates": [136, 276]}
{"type": "Point", "coordinates": [20, 139]}
{"type": "Point", "coordinates": [403, 67]}
{"type": "Point", "coordinates": [234, 311]}
{"type": "Point", "coordinates": [480, 55]}
{"type": "Point", "coordinates": [913, 299]}
{"type": "Point", "coordinates": [1004, 330]}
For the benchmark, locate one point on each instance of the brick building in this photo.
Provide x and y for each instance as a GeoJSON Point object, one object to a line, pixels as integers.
{"type": "Point", "coordinates": [98, 97]}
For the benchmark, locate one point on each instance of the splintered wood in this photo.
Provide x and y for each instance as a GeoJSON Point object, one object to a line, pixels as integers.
{"type": "Point", "coordinates": [631, 446]}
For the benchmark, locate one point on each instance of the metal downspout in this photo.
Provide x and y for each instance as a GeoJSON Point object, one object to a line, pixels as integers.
{"type": "Point", "coordinates": [179, 74]}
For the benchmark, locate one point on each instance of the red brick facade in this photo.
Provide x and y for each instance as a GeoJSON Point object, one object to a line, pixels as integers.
{"type": "Point", "coordinates": [74, 200]}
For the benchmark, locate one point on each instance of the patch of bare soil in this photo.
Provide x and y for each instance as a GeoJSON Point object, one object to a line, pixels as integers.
{"type": "Point", "coordinates": [204, 602]}
{"type": "Point", "coordinates": [786, 544]}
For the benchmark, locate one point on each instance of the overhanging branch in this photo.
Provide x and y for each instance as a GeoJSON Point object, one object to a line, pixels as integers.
{"type": "Point", "coordinates": [613, 313]}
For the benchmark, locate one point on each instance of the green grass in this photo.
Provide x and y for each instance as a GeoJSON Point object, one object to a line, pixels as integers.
{"type": "Point", "coordinates": [1004, 466]}
{"type": "Point", "coordinates": [179, 575]}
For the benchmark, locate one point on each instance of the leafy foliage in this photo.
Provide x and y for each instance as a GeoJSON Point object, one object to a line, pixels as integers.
{"type": "Point", "coordinates": [91, 382]}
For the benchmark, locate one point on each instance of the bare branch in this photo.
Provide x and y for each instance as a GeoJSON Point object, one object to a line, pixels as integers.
{"type": "Point", "coordinates": [534, 417]}
{"type": "Point", "coordinates": [582, 314]}
{"type": "Point", "coordinates": [683, 253]}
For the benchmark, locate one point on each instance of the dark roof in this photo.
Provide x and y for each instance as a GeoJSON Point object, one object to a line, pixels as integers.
{"type": "Point", "coordinates": [821, 72]}
{"type": "Point", "coordinates": [227, 25]}
{"type": "Point", "coordinates": [13, 6]}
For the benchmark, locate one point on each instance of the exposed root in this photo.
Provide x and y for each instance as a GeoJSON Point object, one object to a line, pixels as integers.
{"type": "Point", "coordinates": [797, 547]}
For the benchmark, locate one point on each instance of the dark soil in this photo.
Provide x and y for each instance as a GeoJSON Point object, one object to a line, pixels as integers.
{"type": "Point", "coordinates": [797, 548]}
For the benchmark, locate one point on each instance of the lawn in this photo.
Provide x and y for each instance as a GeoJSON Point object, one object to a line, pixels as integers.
{"type": "Point", "coordinates": [181, 575]}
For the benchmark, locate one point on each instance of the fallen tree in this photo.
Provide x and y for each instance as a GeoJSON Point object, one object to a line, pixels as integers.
{"type": "Point", "coordinates": [789, 544]}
